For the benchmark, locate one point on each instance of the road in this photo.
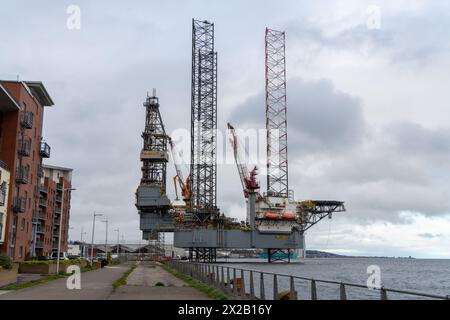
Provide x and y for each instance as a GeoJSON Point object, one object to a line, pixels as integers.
{"type": "Point", "coordinates": [97, 285]}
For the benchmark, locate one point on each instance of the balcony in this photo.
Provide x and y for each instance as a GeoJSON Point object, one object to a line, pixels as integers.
{"type": "Point", "coordinates": [58, 198]}
{"type": "Point", "coordinates": [24, 147]}
{"type": "Point", "coordinates": [22, 174]}
{"type": "Point", "coordinates": [39, 245]}
{"type": "Point", "coordinates": [42, 203]}
{"type": "Point", "coordinates": [43, 189]}
{"type": "Point", "coordinates": [58, 210]}
{"type": "Point", "coordinates": [40, 230]}
{"type": "Point", "coordinates": [42, 215]}
{"type": "Point", "coordinates": [19, 204]}
{"type": "Point", "coordinates": [44, 150]}
{"type": "Point", "coordinates": [40, 171]}
{"type": "Point", "coordinates": [27, 119]}
{"type": "Point", "coordinates": [59, 187]}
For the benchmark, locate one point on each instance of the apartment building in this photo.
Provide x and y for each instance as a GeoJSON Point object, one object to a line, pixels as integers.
{"type": "Point", "coordinates": [54, 210]}
{"type": "Point", "coordinates": [4, 191]}
{"type": "Point", "coordinates": [22, 149]}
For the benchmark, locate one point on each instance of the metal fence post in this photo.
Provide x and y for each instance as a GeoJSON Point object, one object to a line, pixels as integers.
{"type": "Point", "coordinates": [342, 292]}
{"type": "Point", "coordinates": [262, 290]}
{"type": "Point", "coordinates": [228, 280]}
{"type": "Point", "coordinates": [252, 287]}
{"type": "Point", "coordinates": [313, 290]}
{"type": "Point", "coordinates": [217, 277]}
{"type": "Point", "coordinates": [242, 283]}
{"type": "Point", "coordinates": [275, 287]}
{"type": "Point", "coordinates": [292, 294]}
{"type": "Point", "coordinates": [222, 283]}
{"type": "Point", "coordinates": [383, 293]}
{"type": "Point", "coordinates": [234, 281]}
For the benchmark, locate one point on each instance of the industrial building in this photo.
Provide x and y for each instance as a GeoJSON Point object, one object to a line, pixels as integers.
{"type": "Point", "coordinates": [275, 221]}
{"type": "Point", "coordinates": [22, 150]}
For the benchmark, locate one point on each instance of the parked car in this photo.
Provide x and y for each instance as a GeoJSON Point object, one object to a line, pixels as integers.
{"type": "Point", "coordinates": [62, 256]}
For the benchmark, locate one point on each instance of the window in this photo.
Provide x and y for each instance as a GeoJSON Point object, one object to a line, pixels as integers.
{"type": "Point", "coordinates": [3, 193]}
{"type": "Point", "coordinates": [20, 252]}
{"type": "Point", "coordinates": [22, 224]}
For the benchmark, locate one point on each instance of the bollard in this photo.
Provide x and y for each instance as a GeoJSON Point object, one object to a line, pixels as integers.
{"type": "Point", "coordinates": [252, 287]}
{"type": "Point", "coordinates": [234, 281]}
{"type": "Point", "coordinates": [383, 294]}
{"type": "Point", "coordinates": [275, 287]}
{"type": "Point", "coordinates": [292, 293]}
{"type": "Point", "coordinates": [342, 291]}
{"type": "Point", "coordinates": [242, 291]}
{"type": "Point", "coordinates": [262, 291]}
{"type": "Point", "coordinates": [313, 290]}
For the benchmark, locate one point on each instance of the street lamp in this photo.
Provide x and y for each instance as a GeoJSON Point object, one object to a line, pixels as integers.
{"type": "Point", "coordinates": [106, 239]}
{"type": "Point", "coordinates": [93, 230]}
{"type": "Point", "coordinates": [118, 243]}
{"type": "Point", "coordinates": [82, 245]}
{"type": "Point", "coordinates": [60, 223]}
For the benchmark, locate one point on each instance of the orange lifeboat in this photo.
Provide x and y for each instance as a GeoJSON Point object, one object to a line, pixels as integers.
{"type": "Point", "coordinates": [289, 216]}
{"type": "Point", "coordinates": [271, 215]}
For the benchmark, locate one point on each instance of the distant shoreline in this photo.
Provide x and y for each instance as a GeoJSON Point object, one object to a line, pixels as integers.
{"type": "Point", "coordinates": [324, 254]}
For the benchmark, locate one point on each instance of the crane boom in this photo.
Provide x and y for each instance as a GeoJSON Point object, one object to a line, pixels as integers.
{"type": "Point", "coordinates": [248, 177]}
{"type": "Point", "coordinates": [184, 184]}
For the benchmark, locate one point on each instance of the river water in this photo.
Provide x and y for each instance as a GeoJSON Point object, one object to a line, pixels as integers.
{"type": "Point", "coordinates": [423, 275]}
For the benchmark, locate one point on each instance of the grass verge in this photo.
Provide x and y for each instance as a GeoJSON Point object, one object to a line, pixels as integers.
{"type": "Point", "coordinates": [210, 291]}
{"type": "Point", "coordinates": [47, 278]}
{"type": "Point", "coordinates": [123, 279]}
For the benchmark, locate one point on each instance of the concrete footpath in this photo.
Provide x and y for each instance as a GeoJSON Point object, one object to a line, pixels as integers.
{"type": "Point", "coordinates": [147, 282]}
{"type": "Point", "coordinates": [95, 285]}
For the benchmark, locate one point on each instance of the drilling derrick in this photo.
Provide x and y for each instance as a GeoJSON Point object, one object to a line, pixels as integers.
{"type": "Point", "coordinates": [203, 169]}
{"type": "Point", "coordinates": [151, 200]}
{"type": "Point", "coordinates": [276, 120]}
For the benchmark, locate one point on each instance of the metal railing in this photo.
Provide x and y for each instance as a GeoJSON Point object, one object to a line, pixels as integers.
{"type": "Point", "coordinates": [254, 284]}
{"type": "Point", "coordinates": [22, 174]}
{"type": "Point", "coordinates": [44, 150]}
{"type": "Point", "coordinates": [19, 204]}
{"type": "Point", "coordinates": [27, 119]}
{"type": "Point", "coordinates": [24, 147]}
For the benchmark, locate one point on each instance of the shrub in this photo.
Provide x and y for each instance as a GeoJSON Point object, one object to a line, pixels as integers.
{"type": "Point", "coordinates": [5, 262]}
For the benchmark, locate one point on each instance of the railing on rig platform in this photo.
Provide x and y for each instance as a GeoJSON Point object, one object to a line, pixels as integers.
{"type": "Point", "coordinates": [259, 285]}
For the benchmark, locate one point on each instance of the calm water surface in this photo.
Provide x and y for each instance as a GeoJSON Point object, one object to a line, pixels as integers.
{"type": "Point", "coordinates": [423, 275]}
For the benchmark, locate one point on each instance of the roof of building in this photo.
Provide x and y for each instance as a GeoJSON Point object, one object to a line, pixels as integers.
{"type": "Point", "coordinates": [48, 166]}
{"type": "Point", "coordinates": [7, 102]}
{"type": "Point", "coordinates": [39, 91]}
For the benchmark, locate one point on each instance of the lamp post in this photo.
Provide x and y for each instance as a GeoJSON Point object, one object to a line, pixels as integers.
{"type": "Point", "coordinates": [60, 224]}
{"type": "Point", "coordinates": [106, 239]}
{"type": "Point", "coordinates": [82, 245]}
{"type": "Point", "coordinates": [118, 243]}
{"type": "Point", "coordinates": [93, 230]}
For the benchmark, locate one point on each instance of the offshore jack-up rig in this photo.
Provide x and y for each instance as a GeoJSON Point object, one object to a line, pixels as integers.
{"type": "Point", "coordinates": [275, 221]}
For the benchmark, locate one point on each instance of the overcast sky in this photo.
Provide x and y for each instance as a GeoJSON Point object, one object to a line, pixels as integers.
{"type": "Point", "coordinates": [368, 105]}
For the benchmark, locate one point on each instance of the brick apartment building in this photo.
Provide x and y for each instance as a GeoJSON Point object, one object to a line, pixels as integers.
{"type": "Point", "coordinates": [54, 210]}
{"type": "Point", "coordinates": [22, 150]}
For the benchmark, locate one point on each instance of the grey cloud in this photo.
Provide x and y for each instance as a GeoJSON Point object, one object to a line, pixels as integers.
{"type": "Point", "coordinates": [321, 119]}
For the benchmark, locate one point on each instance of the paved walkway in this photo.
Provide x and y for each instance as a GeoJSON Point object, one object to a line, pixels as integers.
{"type": "Point", "coordinates": [141, 285]}
{"type": "Point", "coordinates": [97, 285]}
